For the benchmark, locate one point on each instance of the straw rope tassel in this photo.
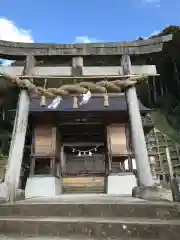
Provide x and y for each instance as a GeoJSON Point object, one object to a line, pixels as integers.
{"type": "Point", "coordinates": [75, 103]}
{"type": "Point", "coordinates": [75, 99]}
{"type": "Point", "coordinates": [106, 98]}
{"type": "Point", "coordinates": [43, 97]}
{"type": "Point", "coordinates": [43, 101]}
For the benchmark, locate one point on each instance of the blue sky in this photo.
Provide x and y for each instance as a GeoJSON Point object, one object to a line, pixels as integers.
{"type": "Point", "coordinates": [66, 21]}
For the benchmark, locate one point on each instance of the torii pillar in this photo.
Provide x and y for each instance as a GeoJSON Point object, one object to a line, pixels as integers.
{"type": "Point", "coordinates": [18, 137]}
{"type": "Point", "coordinates": [138, 139]}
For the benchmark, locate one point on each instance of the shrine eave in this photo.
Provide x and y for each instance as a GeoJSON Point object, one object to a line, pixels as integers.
{"type": "Point", "coordinates": [116, 104]}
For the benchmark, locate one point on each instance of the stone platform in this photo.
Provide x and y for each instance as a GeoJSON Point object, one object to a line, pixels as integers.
{"type": "Point", "coordinates": [90, 217]}
{"type": "Point", "coordinates": [58, 238]}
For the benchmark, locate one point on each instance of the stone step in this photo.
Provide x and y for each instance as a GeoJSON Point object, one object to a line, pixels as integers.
{"type": "Point", "coordinates": [100, 228]}
{"type": "Point", "coordinates": [67, 191]}
{"type": "Point", "coordinates": [74, 208]}
{"type": "Point", "coordinates": [9, 237]}
{"type": "Point", "coordinates": [84, 186]}
{"type": "Point", "coordinates": [87, 184]}
{"type": "Point", "coordinates": [83, 180]}
{"type": "Point", "coordinates": [83, 189]}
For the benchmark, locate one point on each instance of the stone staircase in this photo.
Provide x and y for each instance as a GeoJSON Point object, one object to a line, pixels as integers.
{"type": "Point", "coordinates": [84, 184]}
{"type": "Point", "coordinates": [90, 217]}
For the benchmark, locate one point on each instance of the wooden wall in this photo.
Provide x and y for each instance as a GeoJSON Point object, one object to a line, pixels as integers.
{"type": "Point", "coordinates": [46, 148]}
{"type": "Point", "coordinates": [46, 140]}
{"type": "Point", "coordinates": [117, 139]}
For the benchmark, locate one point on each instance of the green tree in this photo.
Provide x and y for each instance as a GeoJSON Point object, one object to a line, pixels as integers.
{"type": "Point", "coordinates": [164, 93]}
{"type": "Point", "coordinates": [8, 102]}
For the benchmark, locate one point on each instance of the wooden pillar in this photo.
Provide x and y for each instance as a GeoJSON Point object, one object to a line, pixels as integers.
{"type": "Point", "coordinates": [18, 137]}
{"type": "Point", "coordinates": [62, 159]}
{"type": "Point", "coordinates": [138, 139]}
{"type": "Point", "coordinates": [76, 70]}
{"type": "Point", "coordinates": [77, 66]}
{"type": "Point", "coordinates": [130, 165]}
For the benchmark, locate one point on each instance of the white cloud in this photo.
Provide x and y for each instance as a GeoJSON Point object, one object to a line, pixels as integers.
{"type": "Point", "coordinates": [156, 32]}
{"type": "Point", "coordinates": [84, 39]}
{"type": "Point", "coordinates": [10, 32]}
{"type": "Point", "coordinates": [156, 3]}
{"type": "Point", "coordinates": [151, 1]}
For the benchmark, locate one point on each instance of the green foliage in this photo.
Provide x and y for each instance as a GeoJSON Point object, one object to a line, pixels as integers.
{"type": "Point", "coordinates": [8, 102]}
{"type": "Point", "coordinates": [164, 94]}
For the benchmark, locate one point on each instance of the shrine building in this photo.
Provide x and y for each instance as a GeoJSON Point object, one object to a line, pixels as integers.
{"type": "Point", "coordinates": [80, 114]}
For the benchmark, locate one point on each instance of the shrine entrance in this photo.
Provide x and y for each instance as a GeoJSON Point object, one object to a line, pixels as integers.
{"type": "Point", "coordinates": [83, 156]}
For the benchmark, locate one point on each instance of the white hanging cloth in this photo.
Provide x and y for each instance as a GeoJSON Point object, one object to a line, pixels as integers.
{"type": "Point", "coordinates": [55, 103]}
{"type": "Point", "coordinates": [85, 98]}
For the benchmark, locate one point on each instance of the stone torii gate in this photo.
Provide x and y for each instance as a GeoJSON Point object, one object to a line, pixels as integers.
{"type": "Point", "coordinates": [30, 52]}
